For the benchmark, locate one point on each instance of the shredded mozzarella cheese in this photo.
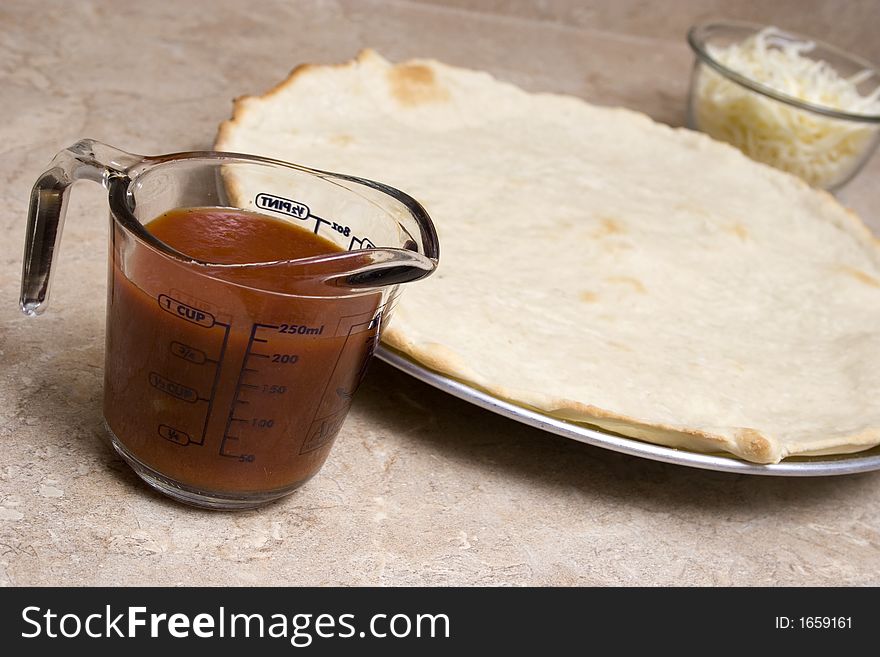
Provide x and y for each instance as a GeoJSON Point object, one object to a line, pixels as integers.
{"type": "Point", "coordinates": [821, 150]}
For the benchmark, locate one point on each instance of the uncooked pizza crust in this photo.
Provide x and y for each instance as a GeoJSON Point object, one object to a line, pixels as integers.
{"type": "Point", "coordinates": [599, 266]}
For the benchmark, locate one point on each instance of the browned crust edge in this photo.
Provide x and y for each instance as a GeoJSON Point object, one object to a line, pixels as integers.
{"type": "Point", "coordinates": [239, 104]}
{"type": "Point", "coordinates": [755, 447]}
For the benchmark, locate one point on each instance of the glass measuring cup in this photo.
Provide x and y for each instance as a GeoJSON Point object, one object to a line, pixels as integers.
{"type": "Point", "coordinates": [225, 385]}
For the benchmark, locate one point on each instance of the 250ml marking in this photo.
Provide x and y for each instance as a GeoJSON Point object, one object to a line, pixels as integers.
{"type": "Point", "coordinates": [299, 329]}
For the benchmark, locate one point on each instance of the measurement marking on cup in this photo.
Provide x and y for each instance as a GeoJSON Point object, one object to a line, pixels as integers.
{"type": "Point", "coordinates": [216, 379]}
{"type": "Point", "coordinates": [300, 329]}
{"type": "Point", "coordinates": [192, 354]}
{"type": "Point", "coordinates": [188, 353]}
{"type": "Point", "coordinates": [176, 436]}
{"type": "Point", "coordinates": [256, 427]}
{"type": "Point", "coordinates": [185, 311]}
{"type": "Point", "coordinates": [175, 389]}
{"type": "Point", "coordinates": [235, 399]}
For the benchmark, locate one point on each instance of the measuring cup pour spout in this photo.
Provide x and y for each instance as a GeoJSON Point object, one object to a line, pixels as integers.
{"type": "Point", "coordinates": [87, 159]}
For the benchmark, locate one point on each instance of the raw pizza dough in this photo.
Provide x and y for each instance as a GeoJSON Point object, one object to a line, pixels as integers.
{"type": "Point", "coordinates": [602, 267]}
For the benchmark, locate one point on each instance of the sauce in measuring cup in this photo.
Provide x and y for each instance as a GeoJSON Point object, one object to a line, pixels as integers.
{"type": "Point", "coordinates": [220, 386]}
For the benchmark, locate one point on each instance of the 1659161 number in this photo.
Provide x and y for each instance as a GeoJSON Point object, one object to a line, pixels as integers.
{"type": "Point", "coordinates": [825, 622]}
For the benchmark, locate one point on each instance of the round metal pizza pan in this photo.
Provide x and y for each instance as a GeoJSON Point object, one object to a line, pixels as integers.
{"type": "Point", "coordinates": [814, 466]}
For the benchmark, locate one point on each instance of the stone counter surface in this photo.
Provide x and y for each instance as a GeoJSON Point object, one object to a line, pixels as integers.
{"type": "Point", "coordinates": [421, 488]}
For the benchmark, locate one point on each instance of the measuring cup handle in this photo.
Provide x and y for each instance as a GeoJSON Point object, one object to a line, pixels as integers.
{"type": "Point", "coordinates": [85, 160]}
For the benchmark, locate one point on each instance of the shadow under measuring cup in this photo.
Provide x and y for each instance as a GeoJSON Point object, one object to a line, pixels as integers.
{"type": "Point", "coordinates": [226, 384]}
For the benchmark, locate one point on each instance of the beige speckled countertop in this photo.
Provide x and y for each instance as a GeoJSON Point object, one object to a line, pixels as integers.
{"type": "Point", "coordinates": [421, 488]}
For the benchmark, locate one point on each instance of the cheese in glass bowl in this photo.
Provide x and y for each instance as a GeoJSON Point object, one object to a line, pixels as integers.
{"type": "Point", "coordinates": [784, 99]}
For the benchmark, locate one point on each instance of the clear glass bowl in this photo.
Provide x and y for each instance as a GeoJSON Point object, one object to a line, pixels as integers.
{"type": "Point", "coordinates": [823, 145]}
